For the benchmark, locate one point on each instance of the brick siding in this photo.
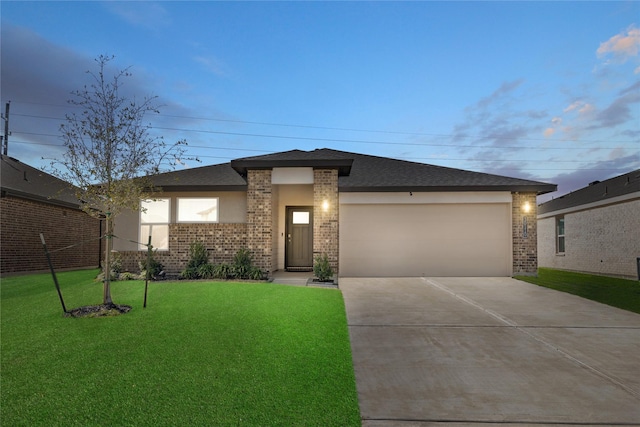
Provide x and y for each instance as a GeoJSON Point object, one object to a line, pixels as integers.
{"type": "Point", "coordinates": [22, 221]}
{"type": "Point", "coordinates": [525, 248]}
{"type": "Point", "coordinates": [325, 222]}
{"type": "Point", "coordinates": [221, 240]}
{"type": "Point", "coordinates": [603, 240]}
{"type": "Point", "coordinates": [260, 219]}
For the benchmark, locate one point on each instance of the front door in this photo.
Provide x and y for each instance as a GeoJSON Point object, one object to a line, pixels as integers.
{"type": "Point", "coordinates": [299, 238]}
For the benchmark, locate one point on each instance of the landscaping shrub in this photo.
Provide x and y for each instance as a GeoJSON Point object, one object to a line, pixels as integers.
{"type": "Point", "coordinates": [222, 271]}
{"type": "Point", "coordinates": [155, 267]}
{"type": "Point", "coordinates": [322, 269]}
{"type": "Point", "coordinates": [199, 266]}
{"type": "Point", "coordinates": [242, 263]}
{"type": "Point", "coordinates": [198, 257]}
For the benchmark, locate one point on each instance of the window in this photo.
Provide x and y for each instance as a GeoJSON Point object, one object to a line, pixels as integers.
{"type": "Point", "coordinates": [301, 217]}
{"type": "Point", "coordinates": [154, 222]}
{"type": "Point", "coordinates": [198, 209]}
{"type": "Point", "coordinates": [560, 235]}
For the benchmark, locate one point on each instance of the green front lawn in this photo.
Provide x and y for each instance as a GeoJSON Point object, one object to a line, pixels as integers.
{"type": "Point", "coordinates": [619, 293]}
{"type": "Point", "coordinates": [201, 353]}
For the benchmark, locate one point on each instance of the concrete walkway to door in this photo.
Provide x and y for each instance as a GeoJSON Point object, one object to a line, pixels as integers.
{"type": "Point", "coordinates": [489, 351]}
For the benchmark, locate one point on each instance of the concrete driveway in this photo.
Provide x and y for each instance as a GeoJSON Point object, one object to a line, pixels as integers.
{"type": "Point", "coordinates": [485, 351]}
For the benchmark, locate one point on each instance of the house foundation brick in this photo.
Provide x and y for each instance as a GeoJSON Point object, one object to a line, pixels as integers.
{"type": "Point", "coordinates": [325, 215]}
{"type": "Point", "coordinates": [525, 244]}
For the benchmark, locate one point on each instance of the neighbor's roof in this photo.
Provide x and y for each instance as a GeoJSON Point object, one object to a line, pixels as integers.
{"type": "Point", "coordinates": [357, 173]}
{"type": "Point", "coordinates": [596, 191]}
{"type": "Point", "coordinates": [21, 180]}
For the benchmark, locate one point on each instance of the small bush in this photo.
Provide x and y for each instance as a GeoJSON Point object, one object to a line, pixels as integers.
{"type": "Point", "coordinates": [198, 255]}
{"type": "Point", "coordinates": [128, 276]}
{"type": "Point", "coordinates": [198, 259]}
{"type": "Point", "coordinates": [206, 271]}
{"type": "Point", "coordinates": [255, 274]}
{"type": "Point", "coordinates": [155, 267]}
{"type": "Point", "coordinates": [242, 263]}
{"type": "Point", "coordinates": [322, 269]}
{"type": "Point", "coordinates": [222, 271]}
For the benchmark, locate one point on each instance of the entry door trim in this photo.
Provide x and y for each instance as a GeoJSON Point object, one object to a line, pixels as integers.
{"type": "Point", "coordinates": [298, 258]}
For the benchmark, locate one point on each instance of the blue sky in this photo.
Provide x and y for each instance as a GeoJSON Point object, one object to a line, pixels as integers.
{"type": "Point", "coordinates": [540, 90]}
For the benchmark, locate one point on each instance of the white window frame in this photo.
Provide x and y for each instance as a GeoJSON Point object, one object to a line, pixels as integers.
{"type": "Point", "coordinates": [561, 237]}
{"type": "Point", "coordinates": [143, 239]}
{"type": "Point", "coordinates": [213, 221]}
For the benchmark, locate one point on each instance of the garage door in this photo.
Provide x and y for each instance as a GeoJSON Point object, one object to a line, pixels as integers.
{"type": "Point", "coordinates": [388, 240]}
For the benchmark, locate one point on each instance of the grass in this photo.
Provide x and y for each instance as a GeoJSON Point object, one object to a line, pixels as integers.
{"type": "Point", "coordinates": [201, 353]}
{"type": "Point", "coordinates": [621, 293]}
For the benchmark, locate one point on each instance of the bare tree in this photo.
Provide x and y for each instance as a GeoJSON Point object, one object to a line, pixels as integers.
{"type": "Point", "coordinates": [110, 154]}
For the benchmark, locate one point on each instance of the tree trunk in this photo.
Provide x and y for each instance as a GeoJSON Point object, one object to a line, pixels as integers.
{"type": "Point", "coordinates": [106, 289]}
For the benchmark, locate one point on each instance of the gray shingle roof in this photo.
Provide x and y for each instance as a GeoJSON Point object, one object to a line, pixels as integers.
{"type": "Point", "coordinates": [357, 172]}
{"type": "Point", "coordinates": [595, 192]}
{"type": "Point", "coordinates": [372, 173]}
{"type": "Point", "coordinates": [206, 178]}
{"type": "Point", "coordinates": [21, 180]}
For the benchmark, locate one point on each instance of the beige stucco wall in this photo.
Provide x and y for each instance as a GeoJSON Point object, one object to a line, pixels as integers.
{"type": "Point", "coordinates": [601, 240]}
{"type": "Point", "coordinates": [232, 206]}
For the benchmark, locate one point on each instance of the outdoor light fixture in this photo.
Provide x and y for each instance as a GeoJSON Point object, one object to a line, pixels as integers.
{"type": "Point", "coordinates": [526, 208]}
{"type": "Point", "coordinates": [325, 205]}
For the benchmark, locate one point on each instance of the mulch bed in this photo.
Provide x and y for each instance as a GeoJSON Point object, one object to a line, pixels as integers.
{"type": "Point", "coordinates": [102, 310]}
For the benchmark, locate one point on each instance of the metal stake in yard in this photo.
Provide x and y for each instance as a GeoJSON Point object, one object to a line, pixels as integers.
{"type": "Point", "coordinates": [53, 273]}
{"type": "Point", "coordinates": [146, 280]}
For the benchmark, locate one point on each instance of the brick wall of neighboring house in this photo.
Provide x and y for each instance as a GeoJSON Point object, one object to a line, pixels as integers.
{"type": "Point", "coordinates": [325, 219]}
{"type": "Point", "coordinates": [260, 219]}
{"type": "Point", "coordinates": [22, 221]}
{"type": "Point", "coordinates": [525, 247]}
{"type": "Point", "coordinates": [221, 240]}
{"type": "Point", "coordinates": [602, 240]}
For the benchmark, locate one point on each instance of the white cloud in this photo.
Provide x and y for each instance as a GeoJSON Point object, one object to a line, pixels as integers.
{"type": "Point", "coordinates": [573, 106]}
{"type": "Point", "coordinates": [621, 46]}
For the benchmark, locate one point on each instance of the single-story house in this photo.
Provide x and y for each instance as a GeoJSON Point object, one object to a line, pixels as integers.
{"type": "Point", "coordinates": [372, 216]}
{"type": "Point", "coordinates": [595, 229]}
{"type": "Point", "coordinates": [34, 202]}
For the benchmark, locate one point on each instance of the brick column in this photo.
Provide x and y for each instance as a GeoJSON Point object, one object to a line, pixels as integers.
{"type": "Point", "coordinates": [525, 247]}
{"type": "Point", "coordinates": [325, 215]}
{"type": "Point", "coordinates": [259, 218]}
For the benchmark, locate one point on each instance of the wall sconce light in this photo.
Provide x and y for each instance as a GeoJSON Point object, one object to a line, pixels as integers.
{"type": "Point", "coordinates": [526, 208]}
{"type": "Point", "coordinates": [325, 205]}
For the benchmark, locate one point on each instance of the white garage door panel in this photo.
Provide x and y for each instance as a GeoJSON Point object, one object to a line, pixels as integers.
{"type": "Point", "coordinates": [425, 240]}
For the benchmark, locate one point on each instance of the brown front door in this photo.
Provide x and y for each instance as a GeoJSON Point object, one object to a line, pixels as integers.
{"type": "Point", "coordinates": [299, 238]}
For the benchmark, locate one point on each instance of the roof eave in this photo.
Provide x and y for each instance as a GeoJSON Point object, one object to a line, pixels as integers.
{"type": "Point", "coordinates": [36, 198]}
{"type": "Point", "coordinates": [194, 188]}
{"type": "Point", "coordinates": [538, 189]}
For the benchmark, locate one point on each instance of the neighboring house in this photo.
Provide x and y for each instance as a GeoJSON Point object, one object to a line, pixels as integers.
{"type": "Point", "coordinates": [34, 202]}
{"type": "Point", "coordinates": [372, 216]}
{"type": "Point", "coordinates": [595, 229]}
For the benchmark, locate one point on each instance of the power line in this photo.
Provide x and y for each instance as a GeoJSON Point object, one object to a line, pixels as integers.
{"type": "Point", "coordinates": [339, 129]}
{"type": "Point", "coordinates": [444, 159]}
